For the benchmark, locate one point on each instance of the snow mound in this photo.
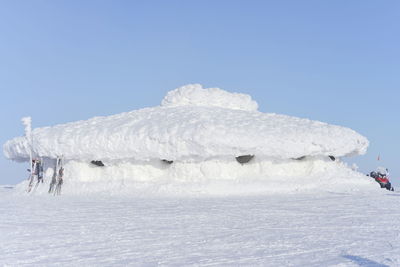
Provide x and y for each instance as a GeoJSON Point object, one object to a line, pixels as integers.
{"type": "Point", "coordinates": [189, 145]}
{"type": "Point", "coordinates": [196, 95]}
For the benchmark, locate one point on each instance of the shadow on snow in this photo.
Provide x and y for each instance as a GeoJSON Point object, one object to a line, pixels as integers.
{"type": "Point", "coordinates": [364, 262]}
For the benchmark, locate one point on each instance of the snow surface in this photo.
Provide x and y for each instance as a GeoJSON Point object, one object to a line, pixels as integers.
{"type": "Point", "coordinates": [196, 95]}
{"type": "Point", "coordinates": [192, 124]}
{"type": "Point", "coordinates": [287, 230]}
{"type": "Point", "coordinates": [289, 206]}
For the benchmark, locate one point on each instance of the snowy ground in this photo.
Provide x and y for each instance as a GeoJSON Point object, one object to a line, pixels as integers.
{"type": "Point", "coordinates": [328, 229]}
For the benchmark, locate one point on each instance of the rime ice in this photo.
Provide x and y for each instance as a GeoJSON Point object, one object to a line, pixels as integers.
{"type": "Point", "coordinates": [200, 132]}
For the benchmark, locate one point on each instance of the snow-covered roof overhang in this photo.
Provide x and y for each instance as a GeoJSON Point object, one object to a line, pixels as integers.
{"type": "Point", "coordinates": [191, 123]}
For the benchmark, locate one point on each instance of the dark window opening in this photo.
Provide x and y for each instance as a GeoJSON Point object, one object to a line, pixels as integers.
{"type": "Point", "coordinates": [97, 163]}
{"type": "Point", "coordinates": [167, 161]}
{"type": "Point", "coordinates": [244, 159]}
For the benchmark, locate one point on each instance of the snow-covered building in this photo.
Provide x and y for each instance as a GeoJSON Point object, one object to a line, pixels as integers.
{"type": "Point", "coordinates": [195, 137]}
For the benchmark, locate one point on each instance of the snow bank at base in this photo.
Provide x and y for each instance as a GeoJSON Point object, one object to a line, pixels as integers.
{"type": "Point", "coordinates": [213, 177]}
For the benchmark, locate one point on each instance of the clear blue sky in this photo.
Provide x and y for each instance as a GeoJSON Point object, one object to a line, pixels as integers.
{"type": "Point", "coordinates": [334, 61]}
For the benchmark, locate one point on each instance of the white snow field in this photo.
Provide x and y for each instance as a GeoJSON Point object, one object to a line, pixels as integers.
{"type": "Point", "coordinates": [315, 229]}
{"type": "Point", "coordinates": [171, 192]}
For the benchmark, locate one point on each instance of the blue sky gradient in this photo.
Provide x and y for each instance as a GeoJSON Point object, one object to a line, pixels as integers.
{"type": "Point", "coordinates": [333, 61]}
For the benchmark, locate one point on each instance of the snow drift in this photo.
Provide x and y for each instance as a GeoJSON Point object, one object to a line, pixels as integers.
{"type": "Point", "coordinates": [200, 131]}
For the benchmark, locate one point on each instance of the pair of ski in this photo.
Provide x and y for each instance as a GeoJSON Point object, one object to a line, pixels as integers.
{"type": "Point", "coordinates": [31, 177]}
{"type": "Point", "coordinates": [36, 171]}
{"type": "Point", "coordinates": [57, 179]}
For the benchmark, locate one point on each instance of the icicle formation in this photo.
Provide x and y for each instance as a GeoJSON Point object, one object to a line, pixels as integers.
{"type": "Point", "coordinates": [27, 121]}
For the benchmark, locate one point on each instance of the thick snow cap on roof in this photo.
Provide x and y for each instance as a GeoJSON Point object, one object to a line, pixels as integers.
{"type": "Point", "coordinates": [196, 95]}
{"type": "Point", "coordinates": [192, 124]}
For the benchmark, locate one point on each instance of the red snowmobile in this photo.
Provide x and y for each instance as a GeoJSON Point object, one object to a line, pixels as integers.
{"type": "Point", "coordinates": [382, 179]}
